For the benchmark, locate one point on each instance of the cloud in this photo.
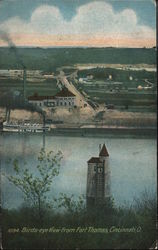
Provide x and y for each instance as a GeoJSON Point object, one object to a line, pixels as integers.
{"type": "Point", "coordinates": [48, 20]}
{"type": "Point", "coordinates": [93, 20]}
{"type": "Point", "coordinates": [15, 25]}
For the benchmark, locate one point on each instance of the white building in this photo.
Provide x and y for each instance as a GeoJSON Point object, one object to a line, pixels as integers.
{"type": "Point", "coordinates": [110, 77]}
{"type": "Point", "coordinates": [64, 98]}
{"type": "Point", "coordinates": [130, 78]}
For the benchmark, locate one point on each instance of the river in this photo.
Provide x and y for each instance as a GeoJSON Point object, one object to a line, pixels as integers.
{"type": "Point", "coordinates": [132, 163]}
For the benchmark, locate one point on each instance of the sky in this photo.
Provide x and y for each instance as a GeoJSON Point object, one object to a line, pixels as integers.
{"type": "Point", "coordinates": [92, 23]}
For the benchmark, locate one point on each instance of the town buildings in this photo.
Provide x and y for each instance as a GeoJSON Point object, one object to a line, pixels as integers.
{"type": "Point", "coordinates": [64, 98]}
{"type": "Point", "coordinates": [98, 178]}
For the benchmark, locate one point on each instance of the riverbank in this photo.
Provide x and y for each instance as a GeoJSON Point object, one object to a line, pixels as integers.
{"type": "Point", "coordinates": [108, 132]}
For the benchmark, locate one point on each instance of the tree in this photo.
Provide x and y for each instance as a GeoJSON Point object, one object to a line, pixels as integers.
{"type": "Point", "coordinates": [71, 205]}
{"type": "Point", "coordinates": [35, 187]}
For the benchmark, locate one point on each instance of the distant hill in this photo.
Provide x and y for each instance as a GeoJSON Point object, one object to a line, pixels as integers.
{"type": "Point", "coordinates": [50, 58]}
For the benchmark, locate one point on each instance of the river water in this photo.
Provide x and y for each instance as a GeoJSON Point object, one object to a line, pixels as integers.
{"type": "Point", "coordinates": [132, 163]}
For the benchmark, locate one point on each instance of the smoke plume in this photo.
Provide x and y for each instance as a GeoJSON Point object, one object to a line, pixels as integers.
{"type": "Point", "coordinates": [5, 37]}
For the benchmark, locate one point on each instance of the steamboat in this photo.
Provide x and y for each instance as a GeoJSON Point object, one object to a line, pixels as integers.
{"type": "Point", "coordinates": [25, 127]}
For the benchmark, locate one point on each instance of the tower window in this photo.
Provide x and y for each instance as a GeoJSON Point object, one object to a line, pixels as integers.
{"type": "Point", "coordinates": [100, 170]}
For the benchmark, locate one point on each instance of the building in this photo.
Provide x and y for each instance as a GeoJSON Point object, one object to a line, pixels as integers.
{"type": "Point", "coordinates": [64, 98]}
{"type": "Point", "coordinates": [37, 100]}
{"type": "Point", "coordinates": [98, 178]}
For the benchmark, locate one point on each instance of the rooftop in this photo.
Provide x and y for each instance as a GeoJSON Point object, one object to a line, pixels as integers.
{"type": "Point", "coordinates": [37, 97]}
{"type": "Point", "coordinates": [94, 160]}
{"type": "Point", "coordinates": [64, 93]}
{"type": "Point", "coordinates": [104, 151]}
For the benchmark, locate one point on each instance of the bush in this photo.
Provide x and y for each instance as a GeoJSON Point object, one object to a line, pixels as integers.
{"type": "Point", "coordinates": [141, 215]}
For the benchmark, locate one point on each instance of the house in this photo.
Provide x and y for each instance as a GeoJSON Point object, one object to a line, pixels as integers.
{"type": "Point", "coordinates": [98, 179]}
{"type": "Point", "coordinates": [64, 98]}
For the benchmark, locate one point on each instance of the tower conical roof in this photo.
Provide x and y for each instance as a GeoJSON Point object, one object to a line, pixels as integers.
{"type": "Point", "coordinates": [104, 151]}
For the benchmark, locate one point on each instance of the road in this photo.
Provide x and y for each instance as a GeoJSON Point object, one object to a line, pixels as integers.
{"type": "Point", "coordinates": [81, 101]}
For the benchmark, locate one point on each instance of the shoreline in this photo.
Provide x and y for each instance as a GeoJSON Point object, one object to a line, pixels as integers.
{"type": "Point", "coordinates": [108, 132]}
{"type": "Point", "coordinates": [142, 133]}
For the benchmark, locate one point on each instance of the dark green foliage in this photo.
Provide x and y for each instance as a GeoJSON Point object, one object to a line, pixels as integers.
{"type": "Point", "coordinates": [120, 90]}
{"type": "Point", "coordinates": [106, 225]}
{"type": "Point", "coordinates": [70, 204]}
{"type": "Point", "coordinates": [50, 59]}
{"type": "Point", "coordinates": [141, 215]}
{"type": "Point", "coordinates": [118, 74]}
{"type": "Point", "coordinates": [10, 86]}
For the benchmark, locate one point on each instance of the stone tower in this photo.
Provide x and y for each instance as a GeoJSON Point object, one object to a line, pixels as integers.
{"type": "Point", "coordinates": [98, 178]}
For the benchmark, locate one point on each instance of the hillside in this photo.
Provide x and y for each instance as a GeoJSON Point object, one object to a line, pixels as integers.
{"type": "Point", "coordinates": [50, 58]}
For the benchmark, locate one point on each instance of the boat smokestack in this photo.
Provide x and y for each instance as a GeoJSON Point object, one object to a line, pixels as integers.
{"type": "Point", "coordinates": [7, 117]}
{"type": "Point", "coordinates": [24, 83]}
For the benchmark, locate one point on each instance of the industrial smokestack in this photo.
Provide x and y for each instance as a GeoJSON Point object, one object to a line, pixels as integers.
{"type": "Point", "coordinates": [24, 83]}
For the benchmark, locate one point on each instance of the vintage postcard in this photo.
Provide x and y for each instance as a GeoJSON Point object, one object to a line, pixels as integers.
{"type": "Point", "coordinates": [78, 124]}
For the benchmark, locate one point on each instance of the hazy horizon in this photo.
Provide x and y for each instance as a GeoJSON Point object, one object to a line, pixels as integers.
{"type": "Point", "coordinates": [84, 47]}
